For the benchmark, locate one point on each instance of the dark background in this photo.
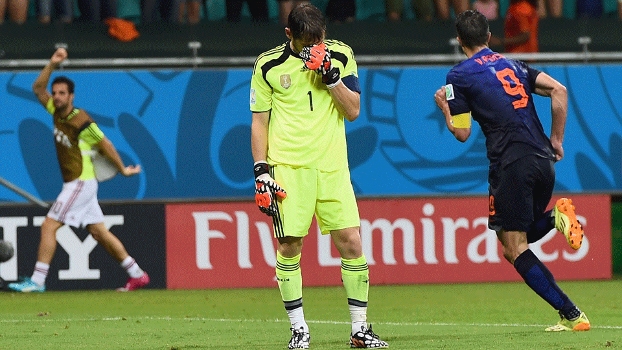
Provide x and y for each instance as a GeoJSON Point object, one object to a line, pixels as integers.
{"type": "Point", "coordinates": [222, 39]}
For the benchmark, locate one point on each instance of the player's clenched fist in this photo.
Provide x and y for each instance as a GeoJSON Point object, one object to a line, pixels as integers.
{"type": "Point", "coordinates": [59, 56]}
{"type": "Point", "coordinates": [267, 191]}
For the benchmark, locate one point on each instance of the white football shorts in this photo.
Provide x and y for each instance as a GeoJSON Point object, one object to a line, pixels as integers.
{"type": "Point", "coordinates": [77, 205]}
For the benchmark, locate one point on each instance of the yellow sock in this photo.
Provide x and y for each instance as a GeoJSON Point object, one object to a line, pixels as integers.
{"type": "Point", "coordinates": [289, 278]}
{"type": "Point", "coordinates": [355, 276]}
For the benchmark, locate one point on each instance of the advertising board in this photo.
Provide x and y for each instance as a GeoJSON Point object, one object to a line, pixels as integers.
{"type": "Point", "coordinates": [405, 240]}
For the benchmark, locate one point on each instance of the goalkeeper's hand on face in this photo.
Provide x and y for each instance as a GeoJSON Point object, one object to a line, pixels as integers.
{"type": "Point", "coordinates": [317, 58]}
{"type": "Point", "coordinates": [267, 191]}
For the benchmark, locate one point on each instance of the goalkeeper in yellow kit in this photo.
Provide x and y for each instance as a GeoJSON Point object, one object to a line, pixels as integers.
{"type": "Point", "coordinates": [301, 93]}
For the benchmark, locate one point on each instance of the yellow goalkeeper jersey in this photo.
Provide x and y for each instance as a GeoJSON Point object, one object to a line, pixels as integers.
{"type": "Point", "coordinates": [305, 128]}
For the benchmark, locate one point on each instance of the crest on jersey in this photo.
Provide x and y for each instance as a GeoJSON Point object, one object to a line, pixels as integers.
{"type": "Point", "coordinates": [286, 81]}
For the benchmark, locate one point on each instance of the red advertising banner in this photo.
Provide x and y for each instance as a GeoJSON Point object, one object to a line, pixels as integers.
{"type": "Point", "coordinates": [411, 240]}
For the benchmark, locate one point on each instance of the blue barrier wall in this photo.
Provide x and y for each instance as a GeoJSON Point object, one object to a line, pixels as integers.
{"type": "Point", "coordinates": [190, 130]}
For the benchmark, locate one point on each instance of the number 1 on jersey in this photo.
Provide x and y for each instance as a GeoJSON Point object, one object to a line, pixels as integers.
{"type": "Point", "coordinates": [310, 100]}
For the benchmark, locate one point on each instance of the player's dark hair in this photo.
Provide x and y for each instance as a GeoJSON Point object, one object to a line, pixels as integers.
{"type": "Point", "coordinates": [64, 80]}
{"type": "Point", "coordinates": [472, 28]}
{"type": "Point", "coordinates": [307, 23]}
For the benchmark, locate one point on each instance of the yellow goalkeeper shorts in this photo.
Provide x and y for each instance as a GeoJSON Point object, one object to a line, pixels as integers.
{"type": "Point", "coordinates": [328, 195]}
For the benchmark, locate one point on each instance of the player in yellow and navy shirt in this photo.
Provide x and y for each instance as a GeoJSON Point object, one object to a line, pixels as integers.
{"type": "Point", "coordinates": [302, 93]}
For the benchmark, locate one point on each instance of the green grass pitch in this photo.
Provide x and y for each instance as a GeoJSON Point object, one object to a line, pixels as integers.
{"type": "Point", "coordinates": [451, 316]}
